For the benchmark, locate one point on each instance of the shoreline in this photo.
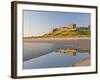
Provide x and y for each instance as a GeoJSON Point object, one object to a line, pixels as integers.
{"type": "Point", "coordinates": [84, 62]}
{"type": "Point", "coordinates": [68, 42]}
{"type": "Point", "coordinates": [56, 39]}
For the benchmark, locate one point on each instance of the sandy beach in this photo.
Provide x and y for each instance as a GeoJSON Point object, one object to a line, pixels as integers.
{"type": "Point", "coordinates": [79, 42]}
{"type": "Point", "coordinates": [84, 62]}
{"type": "Point", "coordinates": [56, 39]}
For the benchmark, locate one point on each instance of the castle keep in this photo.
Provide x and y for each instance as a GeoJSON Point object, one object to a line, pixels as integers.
{"type": "Point", "coordinates": [69, 27]}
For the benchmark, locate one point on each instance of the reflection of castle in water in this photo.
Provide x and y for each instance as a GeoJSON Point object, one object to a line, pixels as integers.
{"type": "Point", "coordinates": [73, 51]}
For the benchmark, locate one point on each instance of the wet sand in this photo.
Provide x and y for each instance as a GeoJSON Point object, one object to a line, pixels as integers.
{"type": "Point", "coordinates": [34, 50]}
{"type": "Point", "coordinates": [84, 62]}
{"type": "Point", "coordinates": [71, 42]}
{"type": "Point", "coordinates": [56, 39]}
{"type": "Point", "coordinates": [48, 45]}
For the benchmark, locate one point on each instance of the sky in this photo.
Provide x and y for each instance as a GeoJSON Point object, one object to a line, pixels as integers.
{"type": "Point", "coordinates": [37, 23]}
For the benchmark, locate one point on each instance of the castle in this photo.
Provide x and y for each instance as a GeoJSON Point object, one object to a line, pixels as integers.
{"type": "Point", "coordinates": [69, 27]}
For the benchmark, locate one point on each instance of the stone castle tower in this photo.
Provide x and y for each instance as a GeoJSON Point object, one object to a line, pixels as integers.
{"type": "Point", "coordinates": [71, 26]}
{"type": "Point", "coordinates": [68, 27]}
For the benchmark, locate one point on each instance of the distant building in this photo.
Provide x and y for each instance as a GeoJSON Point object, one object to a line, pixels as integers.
{"type": "Point", "coordinates": [84, 28]}
{"type": "Point", "coordinates": [69, 27]}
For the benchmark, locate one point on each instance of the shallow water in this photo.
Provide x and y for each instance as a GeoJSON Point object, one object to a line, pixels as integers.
{"type": "Point", "coordinates": [48, 55]}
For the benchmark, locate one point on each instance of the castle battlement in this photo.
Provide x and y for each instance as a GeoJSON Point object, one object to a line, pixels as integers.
{"type": "Point", "coordinates": [68, 27]}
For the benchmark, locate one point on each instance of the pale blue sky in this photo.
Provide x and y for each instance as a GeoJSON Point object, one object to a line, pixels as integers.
{"type": "Point", "coordinates": [37, 23]}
